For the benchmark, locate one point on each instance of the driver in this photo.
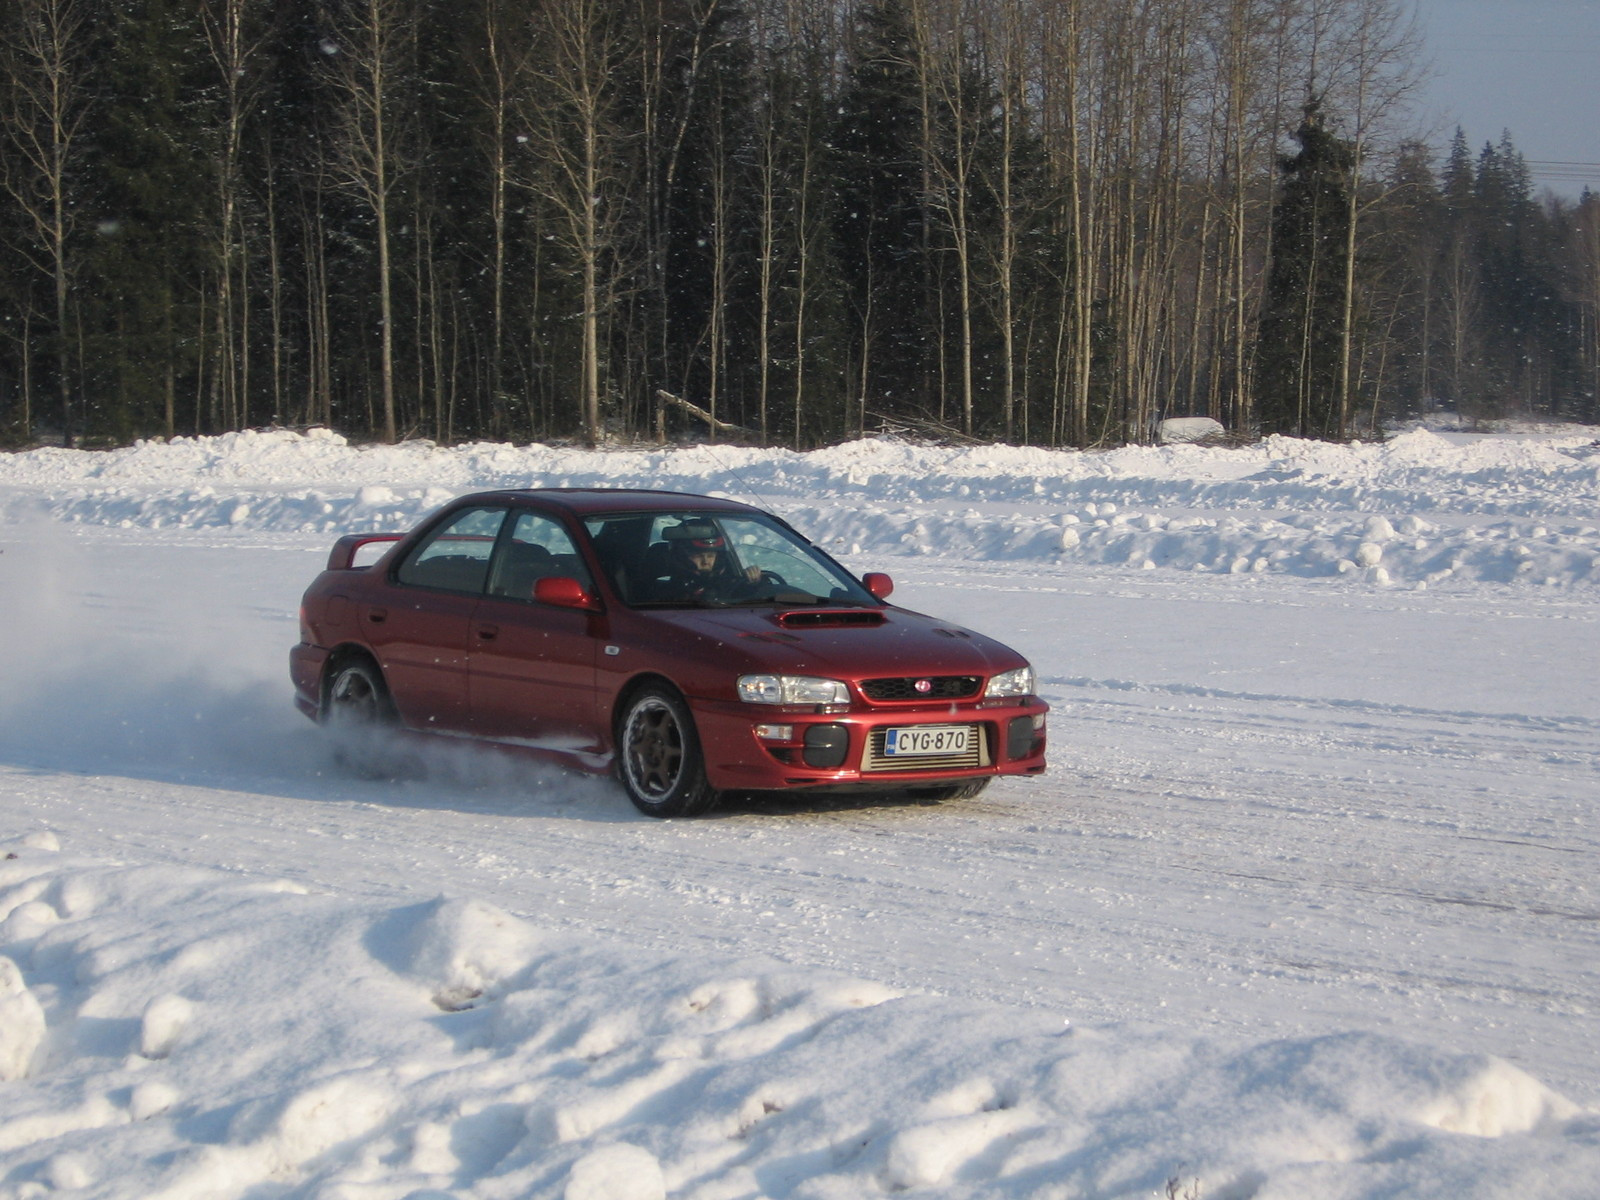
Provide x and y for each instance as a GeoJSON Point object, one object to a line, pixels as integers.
{"type": "Point", "coordinates": [700, 563]}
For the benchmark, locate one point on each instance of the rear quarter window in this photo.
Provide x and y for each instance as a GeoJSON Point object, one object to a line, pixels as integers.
{"type": "Point", "coordinates": [455, 557]}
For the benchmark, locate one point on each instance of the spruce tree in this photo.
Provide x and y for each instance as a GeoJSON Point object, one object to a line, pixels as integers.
{"type": "Point", "coordinates": [1406, 233]}
{"type": "Point", "coordinates": [145, 255]}
{"type": "Point", "coordinates": [1297, 353]}
{"type": "Point", "coordinates": [879, 220]}
{"type": "Point", "coordinates": [1519, 288]}
{"type": "Point", "coordinates": [1459, 298]}
{"type": "Point", "coordinates": [706, 189]}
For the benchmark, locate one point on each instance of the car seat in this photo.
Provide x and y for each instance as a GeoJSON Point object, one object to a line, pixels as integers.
{"type": "Point", "coordinates": [522, 564]}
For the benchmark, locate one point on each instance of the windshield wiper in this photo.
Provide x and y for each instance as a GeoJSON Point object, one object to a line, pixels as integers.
{"type": "Point", "coordinates": [780, 600]}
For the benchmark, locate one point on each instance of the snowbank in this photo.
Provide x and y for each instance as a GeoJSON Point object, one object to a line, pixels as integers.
{"type": "Point", "coordinates": [1419, 510]}
{"type": "Point", "coordinates": [185, 1033]}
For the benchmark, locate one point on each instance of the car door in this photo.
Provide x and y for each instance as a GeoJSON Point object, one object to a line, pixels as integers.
{"type": "Point", "coordinates": [420, 628]}
{"type": "Point", "coordinates": [532, 677]}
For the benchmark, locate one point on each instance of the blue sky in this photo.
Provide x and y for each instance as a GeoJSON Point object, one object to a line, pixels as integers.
{"type": "Point", "coordinates": [1530, 66]}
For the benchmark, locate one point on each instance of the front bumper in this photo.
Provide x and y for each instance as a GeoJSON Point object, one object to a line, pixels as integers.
{"type": "Point", "coordinates": [751, 747]}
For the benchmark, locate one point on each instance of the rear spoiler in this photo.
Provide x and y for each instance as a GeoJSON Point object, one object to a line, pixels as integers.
{"type": "Point", "coordinates": [344, 550]}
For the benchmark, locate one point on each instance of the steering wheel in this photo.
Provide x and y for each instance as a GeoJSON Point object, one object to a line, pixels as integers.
{"type": "Point", "coordinates": [773, 578]}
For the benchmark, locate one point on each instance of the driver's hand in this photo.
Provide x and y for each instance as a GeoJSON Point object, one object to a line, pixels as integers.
{"type": "Point", "coordinates": [753, 574]}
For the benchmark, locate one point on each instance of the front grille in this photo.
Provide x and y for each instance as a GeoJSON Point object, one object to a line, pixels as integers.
{"type": "Point", "coordinates": [976, 755]}
{"type": "Point", "coordinates": [940, 687]}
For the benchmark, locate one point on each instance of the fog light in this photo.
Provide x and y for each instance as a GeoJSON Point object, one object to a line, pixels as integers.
{"type": "Point", "coordinates": [826, 746]}
{"type": "Point", "coordinates": [1020, 732]}
{"type": "Point", "coordinates": [775, 733]}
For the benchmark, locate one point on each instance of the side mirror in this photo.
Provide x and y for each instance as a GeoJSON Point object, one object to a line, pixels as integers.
{"type": "Point", "coordinates": [879, 584]}
{"type": "Point", "coordinates": [562, 591]}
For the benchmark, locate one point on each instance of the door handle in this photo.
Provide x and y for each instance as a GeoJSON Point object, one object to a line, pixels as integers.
{"type": "Point", "coordinates": [377, 615]}
{"type": "Point", "coordinates": [488, 632]}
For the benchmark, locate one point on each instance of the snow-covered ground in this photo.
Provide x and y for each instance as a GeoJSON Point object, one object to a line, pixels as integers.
{"type": "Point", "coordinates": [1305, 907]}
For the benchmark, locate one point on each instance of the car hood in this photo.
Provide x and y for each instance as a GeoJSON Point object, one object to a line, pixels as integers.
{"type": "Point", "coordinates": [857, 643]}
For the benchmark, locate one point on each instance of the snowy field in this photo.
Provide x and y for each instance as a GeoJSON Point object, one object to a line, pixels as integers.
{"type": "Point", "coordinates": [1305, 908]}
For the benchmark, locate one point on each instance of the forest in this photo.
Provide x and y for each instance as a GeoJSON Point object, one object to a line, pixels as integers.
{"type": "Point", "coordinates": [784, 222]}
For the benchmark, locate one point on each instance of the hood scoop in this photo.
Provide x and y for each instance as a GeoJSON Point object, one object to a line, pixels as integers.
{"type": "Point", "coordinates": [830, 618]}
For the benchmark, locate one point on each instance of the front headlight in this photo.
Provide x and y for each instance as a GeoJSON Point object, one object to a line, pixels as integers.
{"type": "Point", "coordinates": [1011, 683]}
{"type": "Point", "coordinates": [791, 689]}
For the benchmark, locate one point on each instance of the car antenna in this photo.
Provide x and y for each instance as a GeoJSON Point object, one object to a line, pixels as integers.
{"type": "Point", "coordinates": [762, 502]}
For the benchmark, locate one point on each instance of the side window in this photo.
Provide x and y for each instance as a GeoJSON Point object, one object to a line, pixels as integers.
{"type": "Point", "coordinates": [619, 543]}
{"type": "Point", "coordinates": [455, 557]}
{"type": "Point", "coordinates": [538, 548]}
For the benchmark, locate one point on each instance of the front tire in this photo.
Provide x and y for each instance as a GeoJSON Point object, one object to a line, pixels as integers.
{"type": "Point", "coordinates": [658, 756]}
{"type": "Point", "coordinates": [970, 790]}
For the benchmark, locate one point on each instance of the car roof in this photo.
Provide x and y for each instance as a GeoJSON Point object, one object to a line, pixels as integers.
{"type": "Point", "coordinates": [593, 501]}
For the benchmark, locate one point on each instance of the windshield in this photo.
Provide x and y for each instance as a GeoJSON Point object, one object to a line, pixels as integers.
{"type": "Point", "coordinates": [689, 559]}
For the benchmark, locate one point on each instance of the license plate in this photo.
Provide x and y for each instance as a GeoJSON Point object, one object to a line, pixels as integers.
{"type": "Point", "coordinates": [926, 740]}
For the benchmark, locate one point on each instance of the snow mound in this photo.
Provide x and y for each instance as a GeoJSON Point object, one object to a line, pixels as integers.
{"type": "Point", "coordinates": [201, 1034]}
{"type": "Point", "coordinates": [461, 948]}
{"type": "Point", "coordinates": [1422, 509]}
{"type": "Point", "coordinates": [22, 1023]}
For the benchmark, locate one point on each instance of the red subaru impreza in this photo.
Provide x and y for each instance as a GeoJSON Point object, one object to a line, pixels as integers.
{"type": "Point", "coordinates": [696, 646]}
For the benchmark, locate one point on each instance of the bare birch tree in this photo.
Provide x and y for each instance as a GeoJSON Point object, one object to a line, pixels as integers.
{"type": "Point", "coordinates": [369, 57]}
{"type": "Point", "coordinates": [501, 72]}
{"type": "Point", "coordinates": [578, 162]}
{"type": "Point", "coordinates": [235, 42]}
{"type": "Point", "coordinates": [1585, 284]}
{"type": "Point", "coordinates": [1374, 74]}
{"type": "Point", "coordinates": [1068, 83]}
{"type": "Point", "coordinates": [1010, 34]}
{"type": "Point", "coordinates": [47, 101]}
{"type": "Point", "coordinates": [952, 129]}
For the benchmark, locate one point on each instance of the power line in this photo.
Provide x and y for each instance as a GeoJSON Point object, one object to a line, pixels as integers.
{"type": "Point", "coordinates": [1520, 43]}
{"type": "Point", "coordinates": [1564, 172]}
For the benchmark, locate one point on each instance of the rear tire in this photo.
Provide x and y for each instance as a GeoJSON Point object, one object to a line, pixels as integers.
{"type": "Point", "coordinates": [658, 756]}
{"type": "Point", "coordinates": [357, 711]}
